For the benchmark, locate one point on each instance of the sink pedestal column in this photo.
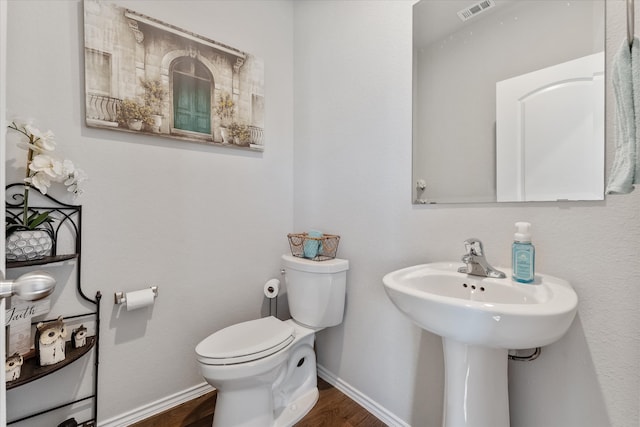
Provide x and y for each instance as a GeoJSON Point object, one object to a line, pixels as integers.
{"type": "Point", "coordinates": [476, 385]}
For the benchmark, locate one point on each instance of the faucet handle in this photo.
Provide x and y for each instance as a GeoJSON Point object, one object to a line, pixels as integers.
{"type": "Point", "coordinates": [473, 246]}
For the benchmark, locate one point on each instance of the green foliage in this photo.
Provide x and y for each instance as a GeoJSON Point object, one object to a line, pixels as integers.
{"type": "Point", "coordinates": [225, 108]}
{"type": "Point", "coordinates": [133, 110]}
{"type": "Point", "coordinates": [154, 95]}
{"type": "Point", "coordinates": [239, 131]}
{"type": "Point", "coordinates": [33, 221]}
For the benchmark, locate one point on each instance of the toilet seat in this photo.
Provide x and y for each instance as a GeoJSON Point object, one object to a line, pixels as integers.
{"type": "Point", "coordinates": [245, 342]}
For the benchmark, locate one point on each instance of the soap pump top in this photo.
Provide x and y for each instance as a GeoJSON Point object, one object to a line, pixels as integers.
{"type": "Point", "coordinates": [523, 234]}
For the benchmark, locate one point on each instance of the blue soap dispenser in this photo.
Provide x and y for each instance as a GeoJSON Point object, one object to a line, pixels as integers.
{"type": "Point", "coordinates": [523, 254]}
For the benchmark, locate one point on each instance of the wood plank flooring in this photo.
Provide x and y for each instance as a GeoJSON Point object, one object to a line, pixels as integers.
{"type": "Point", "coordinates": [333, 409]}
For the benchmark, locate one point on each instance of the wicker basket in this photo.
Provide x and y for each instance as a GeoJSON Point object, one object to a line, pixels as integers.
{"type": "Point", "coordinates": [313, 248]}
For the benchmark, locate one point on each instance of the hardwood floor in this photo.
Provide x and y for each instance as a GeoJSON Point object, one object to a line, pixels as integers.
{"type": "Point", "coordinates": [333, 409]}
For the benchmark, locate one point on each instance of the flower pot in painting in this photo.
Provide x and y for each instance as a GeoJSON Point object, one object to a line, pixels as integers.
{"type": "Point", "coordinates": [134, 124]}
{"type": "Point", "coordinates": [224, 132]}
{"type": "Point", "coordinates": [27, 245]}
{"type": "Point", "coordinates": [157, 122]}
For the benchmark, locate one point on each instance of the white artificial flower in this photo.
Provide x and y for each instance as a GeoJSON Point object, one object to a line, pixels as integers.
{"type": "Point", "coordinates": [43, 168]}
{"type": "Point", "coordinates": [67, 168]}
{"type": "Point", "coordinates": [74, 182]}
{"type": "Point", "coordinates": [43, 163]}
{"type": "Point", "coordinates": [39, 180]}
{"type": "Point", "coordinates": [44, 141]}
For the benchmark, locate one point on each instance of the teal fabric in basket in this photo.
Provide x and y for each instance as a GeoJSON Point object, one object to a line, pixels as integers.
{"type": "Point", "coordinates": [312, 247]}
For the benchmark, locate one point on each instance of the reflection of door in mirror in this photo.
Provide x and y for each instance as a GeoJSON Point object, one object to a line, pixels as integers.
{"type": "Point", "coordinates": [550, 133]}
{"type": "Point", "coordinates": [457, 64]}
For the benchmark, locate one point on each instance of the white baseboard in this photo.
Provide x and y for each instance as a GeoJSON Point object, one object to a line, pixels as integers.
{"type": "Point", "coordinates": [154, 408]}
{"type": "Point", "coordinates": [374, 408]}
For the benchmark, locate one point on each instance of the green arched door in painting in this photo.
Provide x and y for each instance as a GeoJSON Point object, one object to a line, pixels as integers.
{"type": "Point", "coordinates": [191, 96]}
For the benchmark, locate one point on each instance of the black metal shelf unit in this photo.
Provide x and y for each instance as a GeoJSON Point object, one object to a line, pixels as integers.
{"type": "Point", "coordinates": [67, 220]}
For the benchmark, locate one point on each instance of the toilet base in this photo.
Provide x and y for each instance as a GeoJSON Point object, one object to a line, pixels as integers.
{"type": "Point", "coordinates": [244, 408]}
{"type": "Point", "coordinates": [260, 415]}
{"type": "Point", "coordinates": [298, 409]}
{"type": "Point", "coordinates": [276, 391]}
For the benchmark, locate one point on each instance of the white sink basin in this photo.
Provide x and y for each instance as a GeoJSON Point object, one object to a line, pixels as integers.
{"type": "Point", "coordinates": [479, 319]}
{"type": "Point", "coordinates": [498, 313]}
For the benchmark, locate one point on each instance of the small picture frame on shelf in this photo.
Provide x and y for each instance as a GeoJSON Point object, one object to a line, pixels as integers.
{"type": "Point", "coordinates": [18, 319]}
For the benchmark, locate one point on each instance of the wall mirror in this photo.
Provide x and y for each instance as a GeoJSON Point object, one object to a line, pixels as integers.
{"type": "Point", "coordinates": [508, 100]}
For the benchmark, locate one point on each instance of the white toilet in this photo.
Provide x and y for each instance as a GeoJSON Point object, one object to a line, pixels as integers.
{"type": "Point", "coordinates": [265, 369]}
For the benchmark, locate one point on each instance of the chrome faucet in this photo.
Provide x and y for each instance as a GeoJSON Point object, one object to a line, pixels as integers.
{"type": "Point", "coordinates": [477, 264]}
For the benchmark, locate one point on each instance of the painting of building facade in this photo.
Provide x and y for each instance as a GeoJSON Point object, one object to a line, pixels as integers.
{"type": "Point", "coordinates": [146, 76]}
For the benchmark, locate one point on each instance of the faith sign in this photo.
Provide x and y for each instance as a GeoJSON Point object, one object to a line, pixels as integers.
{"type": "Point", "coordinates": [18, 320]}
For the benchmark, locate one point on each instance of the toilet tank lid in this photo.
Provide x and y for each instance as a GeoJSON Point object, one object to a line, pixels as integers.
{"type": "Point", "coordinates": [302, 264]}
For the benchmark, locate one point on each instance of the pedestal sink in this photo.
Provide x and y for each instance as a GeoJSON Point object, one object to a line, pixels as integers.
{"type": "Point", "coordinates": [479, 320]}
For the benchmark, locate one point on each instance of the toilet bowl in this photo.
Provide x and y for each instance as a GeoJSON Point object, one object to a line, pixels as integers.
{"type": "Point", "coordinates": [265, 369]}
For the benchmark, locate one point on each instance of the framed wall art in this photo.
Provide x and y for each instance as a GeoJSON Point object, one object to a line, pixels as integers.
{"type": "Point", "coordinates": [147, 76]}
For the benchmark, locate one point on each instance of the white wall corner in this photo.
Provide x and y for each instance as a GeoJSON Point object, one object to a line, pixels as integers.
{"type": "Point", "coordinates": [367, 403]}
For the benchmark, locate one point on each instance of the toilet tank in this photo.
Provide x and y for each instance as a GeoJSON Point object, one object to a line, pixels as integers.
{"type": "Point", "coordinates": [316, 290]}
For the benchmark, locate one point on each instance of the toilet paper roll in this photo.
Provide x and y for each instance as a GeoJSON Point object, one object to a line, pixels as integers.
{"type": "Point", "coordinates": [272, 288]}
{"type": "Point", "coordinates": [139, 299]}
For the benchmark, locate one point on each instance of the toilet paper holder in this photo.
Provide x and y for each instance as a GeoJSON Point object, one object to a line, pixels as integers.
{"type": "Point", "coordinates": [121, 297]}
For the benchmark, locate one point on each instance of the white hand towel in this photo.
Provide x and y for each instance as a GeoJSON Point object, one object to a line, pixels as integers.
{"type": "Point", "coordinates": [635, 81]}
{"type": "Point", "coordinates": [623, 171]}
